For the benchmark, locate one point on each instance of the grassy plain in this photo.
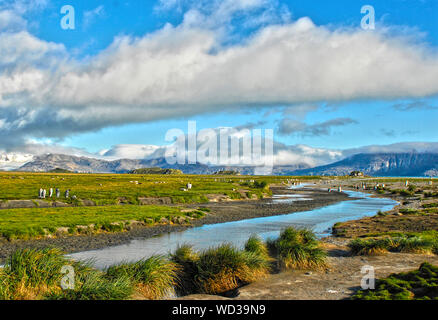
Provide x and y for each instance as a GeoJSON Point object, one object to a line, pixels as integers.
{"type": "Point", "coordinates": [116, 200]}
{"type": "Point", "coordinates": [107, 189]}
{"type": "Point", "coordinates": [30, 223]}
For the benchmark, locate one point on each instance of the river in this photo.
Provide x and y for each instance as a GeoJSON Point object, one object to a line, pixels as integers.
{"type": "Point", "coordinates": [319, 220]}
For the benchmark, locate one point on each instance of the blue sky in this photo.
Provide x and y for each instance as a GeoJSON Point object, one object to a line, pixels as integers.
{"type": "Point", "coordinates": [141, 17]}
{"type": "Point", "coordinates": [330, 121]}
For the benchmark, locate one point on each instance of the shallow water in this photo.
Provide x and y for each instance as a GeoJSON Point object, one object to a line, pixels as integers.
{"type": "Point", "coordinates": [320, 220]}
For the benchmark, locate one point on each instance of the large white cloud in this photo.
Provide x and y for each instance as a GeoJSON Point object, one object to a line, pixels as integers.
{"type": "Point", "coordinates": [186, 69]}
{"type": "Point", "coordinates": [176, 69]}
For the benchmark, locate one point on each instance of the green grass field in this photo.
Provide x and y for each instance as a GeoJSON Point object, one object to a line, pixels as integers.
{"type": "Point", "coordinates": [107, 189]}
{"type": "Point", "coordinates": [29, 223]}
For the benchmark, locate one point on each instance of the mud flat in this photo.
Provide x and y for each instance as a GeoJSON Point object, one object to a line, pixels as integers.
{"type": "Point", "coordinates": [220, 212]}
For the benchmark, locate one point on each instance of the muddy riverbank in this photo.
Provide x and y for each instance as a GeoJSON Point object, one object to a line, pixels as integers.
{"type": "Point", "coordinates": [219, 212]}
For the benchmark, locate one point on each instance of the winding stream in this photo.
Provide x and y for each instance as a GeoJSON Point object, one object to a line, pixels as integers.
{"type": "Point", "coordinates": [320, 220]}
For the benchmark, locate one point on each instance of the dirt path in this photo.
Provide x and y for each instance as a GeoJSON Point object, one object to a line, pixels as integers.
{"type": "Point", "coordinates": [339, 282]}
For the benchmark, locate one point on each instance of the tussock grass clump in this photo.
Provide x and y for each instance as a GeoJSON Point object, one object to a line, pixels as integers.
{"type": "Point", "coordinates": [257, 246]}
{"type": "Point", "coordinates": [153, 278]}
{"type": "Point", "coordinates": [33, 274]}
{"type": "Point", "coordinates": [225, 268]}
{"type": "Point", "coordinates": [220, 269]}
{"type": "Point", "coordinates": [298, 249]}
{"type": "Point", "coordinates": [404, 243]}
{"type": "Point", "coordinates": [186, 258]}
{"type": "Point", "coordinates": [418, 284]}
{"type": "Point", "coordinates": [95, 286]}
{"type": "Point", "coordinates": [414, 245]}
{"type": "Point", "coordinates": [370, 247]}
{"type": "Point", "coordinates": [7, 290]}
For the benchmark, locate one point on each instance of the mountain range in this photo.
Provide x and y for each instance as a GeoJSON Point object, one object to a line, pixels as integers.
{"type": "Point", "coordinates": [373, 164]}
{"type": "Point", "coordinates": [49, 162]}
{"type": "Point", "coordinates": [381, 164]}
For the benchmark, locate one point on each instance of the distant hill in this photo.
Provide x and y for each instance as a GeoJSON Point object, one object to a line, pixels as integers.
{"type": "Point", "coordinates": [228, 172]}
{"type": "Point", "coordinates": [155, 170]}
{"type": "Point", "coordinates": [381, 164]}
{"type": "Point", "coordinates": [49, 162]}
{"type": "Point", "coordinates": [372, 164]}
{"type": "Point", "coordinates": [59, 170]}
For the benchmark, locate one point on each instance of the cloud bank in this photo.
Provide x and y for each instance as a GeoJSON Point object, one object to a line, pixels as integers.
{"type": "Point", "coordinates": [197, 67]}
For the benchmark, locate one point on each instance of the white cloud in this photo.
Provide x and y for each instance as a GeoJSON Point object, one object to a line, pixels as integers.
{"type": "Point", "coordinates": [186, 69]}
{"type": "Point", "coordinates": [175, 69]}
{"type": "Point", "coordinates": [91, 15]}
{"type": "Point", "coordinates": [10, 21]}
{"type": "Point", "coordinates": [130, 151]}
{"type": "Point", "coordinates": [402, 147]}
{"type": "Point", "coordinates": [284, 155]}
{"type": "Point", "coordinates": [21, 49]}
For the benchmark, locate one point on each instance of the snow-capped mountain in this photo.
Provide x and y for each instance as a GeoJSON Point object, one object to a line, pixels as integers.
{"type": "Point", "coordinates": [11, 161]}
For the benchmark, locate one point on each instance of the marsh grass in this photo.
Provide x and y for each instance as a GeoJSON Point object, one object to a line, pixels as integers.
{"type": "Point", "coordinates": [108, 189]}
{"type": "Point", "coordinates": [405, 243]}
{"type": "Point", "coordinates": [186, 258]}
{"type": "Point", "coordinates": [370, 247]}
{"type": "Point", "coordinates": [418, 284]}
{"type": "Point", "coordinates": [36, 274]}
{"type": "Point", "coordinates": [32, 274]}
{"type": "Point", "coordinates": [414, 245]}
{"type": "Point", "coordinates": [153, 278]}
{"type": "Point", "coordinates": [298, 249]}
{"type": "Point", "coordinates": [219, 269]}
{"type": "Point", "coordinates": [256, 245]}
{"type": "Point", "coordinates": [95, 286]}
{"type": "Point", "coordinates": [224, 268]}
{"type": "Point", "coordinates": [107, 192]}
{"type": "Point", "coordinates": [33, 223]}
